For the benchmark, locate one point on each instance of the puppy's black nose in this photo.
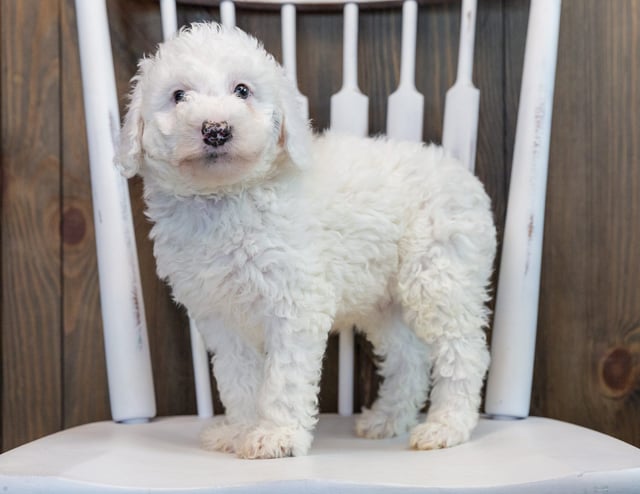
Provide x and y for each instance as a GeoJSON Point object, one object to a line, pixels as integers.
{"type": "Point", "coordinates": [216, 133]}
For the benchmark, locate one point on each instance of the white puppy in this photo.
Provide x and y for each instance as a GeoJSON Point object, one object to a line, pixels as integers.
{"type": "Point", "coordinates": [272, 237]}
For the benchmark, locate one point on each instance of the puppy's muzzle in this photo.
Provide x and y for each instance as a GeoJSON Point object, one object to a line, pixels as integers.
{"type": "Point", "coordinates": [216, 133]}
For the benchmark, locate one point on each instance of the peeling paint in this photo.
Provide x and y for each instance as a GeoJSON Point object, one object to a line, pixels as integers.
{"type": "Point", "coordinates": [539, 127]}
{"type": "Point", "coordinates": [114, 128]}
{"type": "Point", "coordinates": [137, 311]}
{"type": "Point", "coordinates": [530, 230]}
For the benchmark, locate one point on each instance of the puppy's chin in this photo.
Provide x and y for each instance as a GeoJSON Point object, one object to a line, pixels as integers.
{"type": "Point", "coordinates": [206, 160]}
{"type": "Point", "coordinates": [210, 171]}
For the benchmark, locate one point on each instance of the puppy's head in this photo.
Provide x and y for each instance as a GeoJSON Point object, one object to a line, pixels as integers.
{"type": "Point", "coordinates": [211, 109]}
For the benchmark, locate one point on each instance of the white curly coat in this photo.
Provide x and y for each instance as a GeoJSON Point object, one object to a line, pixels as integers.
{"type": "Point", "coordinates": [275, 237]}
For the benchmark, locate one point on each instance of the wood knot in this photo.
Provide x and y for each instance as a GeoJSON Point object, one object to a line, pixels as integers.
{"type": "Point", "coordinates": [74, 226]}
{"type": "Point", "coordinates": [617, 372]}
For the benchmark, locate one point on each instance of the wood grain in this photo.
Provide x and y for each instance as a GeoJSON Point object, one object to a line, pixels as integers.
{"type": "Point", "coordinates": [31, 312]}
{"type": "Point", "coordinates": [588, 358]}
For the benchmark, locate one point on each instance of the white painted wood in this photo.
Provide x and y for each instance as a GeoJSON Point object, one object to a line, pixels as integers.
{"type": "Point", "coordinates": [349, 107]}
{"type": "Point", "coordinates": [169, 16]}
{"type": "Point", "coordinates": [460, 127]}
{"type": "Point", "coordinates": [201, 372]}
{"type": "Point", "coordinates": [317, 2]}
{"type": "Point", "coordinates": [406, 105]}
{"type": "Point", "coordinates": [288, 20]}
{"type": "Point", "coordinates": [227, 13]}
{"type": "Point", "coordinates": [346, 374]}
{"type": "Point", "coordinates": [125, 331]}
{"type": "Point", "coordinates": [514, 330]}
{"type": "Point", "coordinates": [349, 114]}
{"type": "Point", "coordinates": [528, 457]}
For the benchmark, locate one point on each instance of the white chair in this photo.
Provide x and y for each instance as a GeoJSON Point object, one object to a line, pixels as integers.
{"type": "Point", "coordinates": [530, 455]}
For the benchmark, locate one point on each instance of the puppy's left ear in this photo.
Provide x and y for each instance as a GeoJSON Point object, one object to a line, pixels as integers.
{"type": "Point", "coordinates": [295, 131]}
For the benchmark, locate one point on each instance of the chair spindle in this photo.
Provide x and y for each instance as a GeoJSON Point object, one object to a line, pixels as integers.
{"type": "Point", "coordinates": [462, 103]}
{"type": "Point", "coordinates": [405, 108]}
{"type": "Point", "coordinates": [515, 323]}
{"type": "Point", "coordinates": [125, 330]}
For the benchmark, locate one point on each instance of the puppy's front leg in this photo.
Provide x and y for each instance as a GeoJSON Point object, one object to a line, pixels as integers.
{"type": "Point", "coordinates": [287, 401]}
{"type": "Point", "coordinates": [238, 368]}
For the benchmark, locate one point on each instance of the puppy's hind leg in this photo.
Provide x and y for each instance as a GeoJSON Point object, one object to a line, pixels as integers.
{"type": "Point", "coordinates": [443, 293]}
{"type": "Point", "coordinates": [458, 373]}
{"type": "Point", "coordinates": [404, 366]}
{"type": "Point", "coordinates": [237, 367]}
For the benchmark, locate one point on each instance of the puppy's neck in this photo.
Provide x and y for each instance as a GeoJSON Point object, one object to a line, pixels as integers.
{"type": "Point", "coordinates": [163, 180]}
{"type": "Point", "coordinates": [281, 179]}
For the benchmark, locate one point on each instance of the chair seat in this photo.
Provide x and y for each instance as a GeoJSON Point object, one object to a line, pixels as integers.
{"type": "Point", "coordinates": [502, 456]}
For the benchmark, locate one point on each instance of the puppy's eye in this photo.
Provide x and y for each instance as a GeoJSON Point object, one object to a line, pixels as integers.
{"type": "Point", "coordinates": [241, 91]}
{"type": "Point", "coordinates": [179, 96]}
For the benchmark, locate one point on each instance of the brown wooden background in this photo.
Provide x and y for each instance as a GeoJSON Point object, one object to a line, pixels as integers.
{"type": "Point", "coordinates": [588, 360]}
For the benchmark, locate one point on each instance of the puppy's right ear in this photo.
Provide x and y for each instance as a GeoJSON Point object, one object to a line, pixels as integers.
{"type": "Point", "coordinates": [129, 153]}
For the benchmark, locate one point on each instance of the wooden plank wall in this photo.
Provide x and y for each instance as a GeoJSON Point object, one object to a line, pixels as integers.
{"type": "Point", "coordinates": [588, 359]}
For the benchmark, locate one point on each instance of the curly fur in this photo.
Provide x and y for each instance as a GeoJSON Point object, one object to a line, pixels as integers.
{"type": "Point", "coordinates": [277, 237]}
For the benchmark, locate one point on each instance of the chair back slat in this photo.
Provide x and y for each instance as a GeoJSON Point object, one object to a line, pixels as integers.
{"type": "Point", "coordinates": [462, 103]}
{"type": "Point", "coordinates": [288, 21]}
{"type": "Point", "coordinates": [228, 13]}
{"type": "Point", "coordinates": [467, 41]}
{"type": "Point", "coordinates": [516, 315]}
{"type": "Point", "coordinates": [349, 107]}
{"type": "Point", "coordinates": [169, 16]}
{"type": "Point", "coordinates": [302, 3]}
{"type": "Point", "coordinates": [125, 330]}
{"type": "Point", "coordinates": [405, 107]}
{"type": "Point", "coordinates": [201, 372]}
{"type": "Point", "coordinates": [346, 371]}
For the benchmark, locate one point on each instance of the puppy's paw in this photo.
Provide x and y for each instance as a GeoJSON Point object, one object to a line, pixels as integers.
{"type": "Point", "coordinates": [437, 435]}
{"type": "Point", "coordinates": [223, 435]}
{"type": "Point", "coordinates": [375, 424]}
{"type": "Point", "coordinates": [269, 441]}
